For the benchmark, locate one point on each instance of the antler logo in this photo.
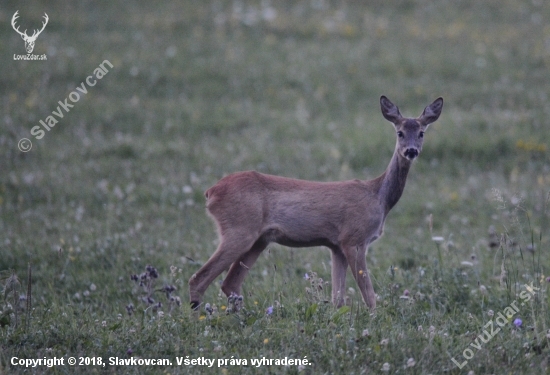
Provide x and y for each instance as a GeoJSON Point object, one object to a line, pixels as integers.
{"type": "Point", "coordinates": [29, 40]}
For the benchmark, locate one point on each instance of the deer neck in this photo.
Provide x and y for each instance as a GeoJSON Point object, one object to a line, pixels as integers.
{"type": "Point", "coordinates": [393, 180]}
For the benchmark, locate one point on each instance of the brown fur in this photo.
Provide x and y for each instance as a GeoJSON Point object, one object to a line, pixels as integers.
{"type": "Point", "coordinates": [252, 209]}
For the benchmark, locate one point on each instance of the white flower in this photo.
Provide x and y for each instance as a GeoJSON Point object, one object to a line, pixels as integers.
{"type": "Point", "coordinates": [386, 367]}
{"type": "Point", "coordinates": [411, 362]}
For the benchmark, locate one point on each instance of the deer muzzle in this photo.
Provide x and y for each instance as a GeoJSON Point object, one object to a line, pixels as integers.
{"type": "Point", "coordinates": [411, 153]}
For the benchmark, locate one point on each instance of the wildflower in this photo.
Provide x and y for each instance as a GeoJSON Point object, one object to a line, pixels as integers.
{"type": "Point", "coordinates": [483, 289]}
{"type": "Point", "coordinates": [406, 293]}
{"type": "Point", "coordinates": [129, 351]}
{"type": "Point", "coordinates": [93, 287]}
{"type": "Point", "coordinates": [490, 313]}
{"type": "Point", "coordinates": [208, 309]}
{"type": "Point", "coordinates": [306, 276]}
{"type": "Point", "coordinates": [438, 239]}
{"type": "Point", "coordinates": [238, 303]}
{"type": "Point", "coordinates": [266, 341]}
{"type": "Point", "coordinates": [86, 293]}
{"type": "Point", "coordinates": [518, 322]}
{"type": "Point", "coordinates": [548, 279]}
{"type": "Point", "coordinates": [104, 323]}
{"type": "Point", "coordinates": [411, 362]}
{"type": "Point", "coordinates": [130, 309]}
{"type": "Point", "coordinates": [152, 271]}
{"type": "Point", "coordinates": [419, 329]}
{"type": "Point", "coordinates": [160, 314]}
{"type": "Point", "coordinates": [269, 310]}
{"type": "Point", "coordinates": [386, 367]}
{"type": "Point", "coordinates": [168, 289]}
{"type": "Point", "coordinates": [365, 333]}
{"type": "Point", "coordinates": [384, 342]}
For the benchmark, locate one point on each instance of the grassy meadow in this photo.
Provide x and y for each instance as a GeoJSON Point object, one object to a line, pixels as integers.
{"type": "Point", "coordinates": [200, 89]}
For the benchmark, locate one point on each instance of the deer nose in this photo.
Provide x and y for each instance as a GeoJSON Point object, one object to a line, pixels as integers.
{"type": "Point", "coordinates": [411, 153]}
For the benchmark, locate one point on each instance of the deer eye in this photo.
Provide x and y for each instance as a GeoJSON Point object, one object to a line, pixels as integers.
{"type": "Point", "coordinates": [400, 134]}
{"type": "Point", "coordinates": [421, 135]}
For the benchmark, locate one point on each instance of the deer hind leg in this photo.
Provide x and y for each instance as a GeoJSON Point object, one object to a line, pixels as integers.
{"type": "Point", "coordinates": [356, 256]}
{"type": "Point", "coordinates": [339, 268]}
{"type": "Point", "coordinates": [231, 248]}
{"type": "Point", "coordinates": [238, 271]}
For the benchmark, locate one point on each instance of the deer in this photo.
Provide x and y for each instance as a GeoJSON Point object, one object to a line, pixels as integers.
{"type": "Point", "coordinates": [252, 209]}
{"type": "Point", "coordinates": [29, 40]}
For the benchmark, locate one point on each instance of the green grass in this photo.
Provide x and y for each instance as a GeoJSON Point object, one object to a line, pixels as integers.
{"type": "Point", "coordinates": [202, 89]}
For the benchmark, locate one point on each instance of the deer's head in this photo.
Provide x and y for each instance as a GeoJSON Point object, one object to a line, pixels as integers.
{"type": "Point", "coordinates": [29, 40]}
{"type": "Point", "coordinates": [410, 131]}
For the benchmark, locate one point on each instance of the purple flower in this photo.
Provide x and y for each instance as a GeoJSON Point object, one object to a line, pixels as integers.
{"type": "Point", "coordinates": [548, 279]}
{"type": "Point", "coordinates": [306, 276]}
{"type": "Point", "coordinates": [269, 310]}
{"type": "Point", "coordinates": [518, 322]}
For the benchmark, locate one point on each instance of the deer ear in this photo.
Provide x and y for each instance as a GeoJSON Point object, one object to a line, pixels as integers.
{"type": "Point", "coordinates": [431, 113]}
{"type": "Point", "coordinates": [389, 110]}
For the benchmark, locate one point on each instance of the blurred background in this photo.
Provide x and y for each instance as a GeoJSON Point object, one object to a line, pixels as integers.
{"type": "Point", "coordinates": [199, 89]}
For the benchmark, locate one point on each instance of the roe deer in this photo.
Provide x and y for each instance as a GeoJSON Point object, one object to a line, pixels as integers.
{"type": "Point", "coordinates": [252, 209]}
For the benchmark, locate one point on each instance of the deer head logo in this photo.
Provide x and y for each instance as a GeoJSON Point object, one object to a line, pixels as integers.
{"type": "Point", "coordinates": [29, 40]}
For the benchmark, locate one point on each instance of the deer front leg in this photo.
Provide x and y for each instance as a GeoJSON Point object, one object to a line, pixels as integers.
{"type": "Point", "coordinates": [356, 256]}
{"type": "Point", "coordinates": [339, 268]}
